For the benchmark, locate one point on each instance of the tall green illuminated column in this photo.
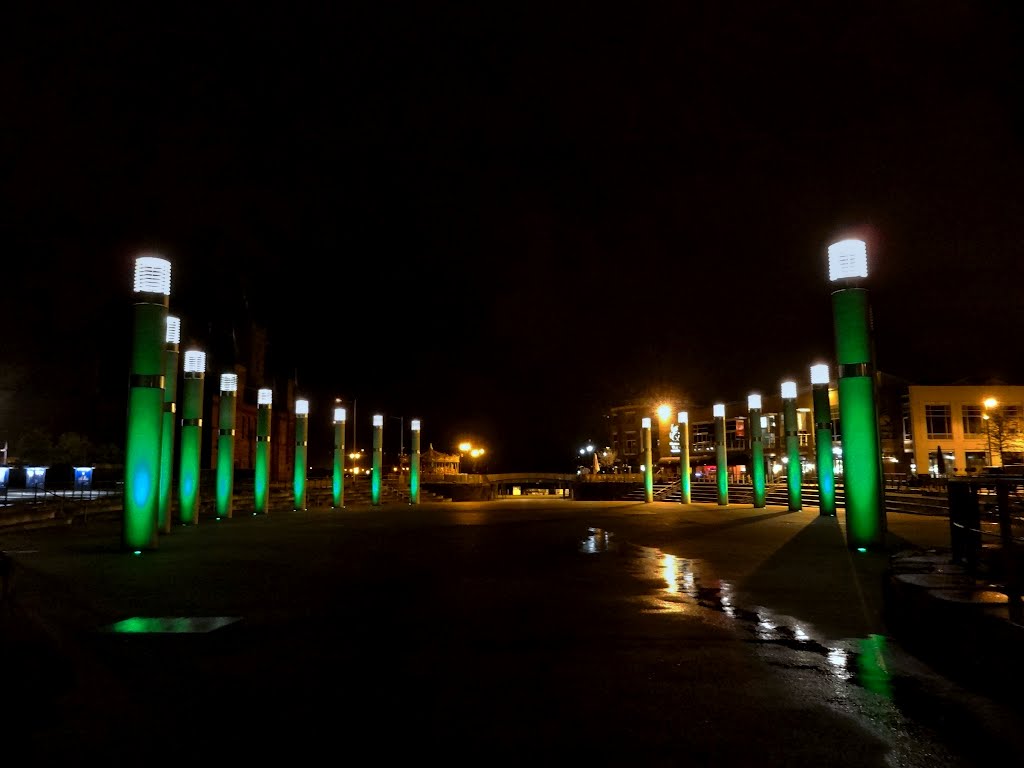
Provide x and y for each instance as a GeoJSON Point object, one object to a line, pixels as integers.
{"type": "Point", "coordinates": [756, 451]}
{"type": "Point", "coordinates": [145, 404]}
{"type": "Point", "coordinates": [376, 478]}
{"type": "Point", "coordinates": [226, 444]}
{"type": "Point", "coordinates": [173, 336]}
{"type": "Point", "coordinates": [794, 472]}
{"type": "Point", "coordinates": [194, 375]}
{"type": "Point", "coordinates": [645, 426]}
{"type": "Point", "coordinates": [301, 447]}
{"type": "Point", "coordinates": [823, 440]}
{"type": "Point", "coordinates": [414, 463]}
{"type": "Point", "coordinates": [261, 481]}
{"type": "Point", "coordinates": [684, 457]}
{"type": "Point", "coordinates": [721, 457]}
{"type": "Point", "coordinates": [338, 483]}
{"type": "Point", "coordinates": [858, 414]}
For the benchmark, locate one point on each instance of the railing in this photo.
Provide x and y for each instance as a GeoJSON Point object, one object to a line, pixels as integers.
{"type": "Point", "coordinates": [986, 520]}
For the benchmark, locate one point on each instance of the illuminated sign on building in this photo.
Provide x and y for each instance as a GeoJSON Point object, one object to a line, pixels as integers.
{"type": "Point", "coordinates": [673, 439]}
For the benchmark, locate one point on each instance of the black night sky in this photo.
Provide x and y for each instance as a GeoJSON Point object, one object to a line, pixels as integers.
{"type": "Point", "coordinates": [503, 219]}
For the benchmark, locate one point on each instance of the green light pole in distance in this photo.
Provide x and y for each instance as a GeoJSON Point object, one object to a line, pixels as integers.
{"type": "Point", "coordinates": [414, 463]}
{"type": "Point", "coordinates": [793, 469]}
{"type": "Point", "coordinates": [721, 459]}
{"type": "Point", "coordinates": [167, 432]}
{"type": "Point", "coordinates": [756, 451]}
{"type": "Point", "coordinates": [191, 436]}
{"type": "Point", "coordinates": [684, 457]}
{"type": "Point", "coordinates": [823, 440]}
{"type": "Point", "coordinates": [645, 426]}
{"type": "Point", "coordinates": [378, 459]}
{"type": "Point", "coordinates": [301, 447]}
{"type": "Point", "coordinates": [261, 481]}
{"type": "Point", "coordinates": [226, 444]}
{"type": "Point", "coordinates": [143, 442]}
{"type": "Point", "coordinates": [338, 484]}
{"type": "Point", "coordinates": [862, 463]}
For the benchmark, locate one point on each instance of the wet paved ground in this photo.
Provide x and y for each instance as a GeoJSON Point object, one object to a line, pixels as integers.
{"type": "Point", "coordinates": [490, 633]}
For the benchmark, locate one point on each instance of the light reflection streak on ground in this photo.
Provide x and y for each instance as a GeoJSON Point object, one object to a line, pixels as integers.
{"type": "Point", "coordinates": [856, 672]}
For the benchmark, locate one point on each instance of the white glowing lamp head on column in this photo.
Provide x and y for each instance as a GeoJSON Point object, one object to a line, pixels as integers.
{"type": "Point", "coordinates": [339, 415]}
{"type": "Point", "coordinates": [754, 402]}
{"type": "Point", "coordinates": [682, 417]}
{"type": "Point", "coordinates": [302, 407]}
{"type": "Point", "coordinates": [264, 396]}
{"type": "Point", "coordinates": [378, 420]}
{"type": "Point", "coordinates": [789, 390]}
{"type": "Point", "coordinates": [152, 275]}
{"type": "Point", "coordinates": [846, 259]}
{"type": "Point", "coordinates": [229, 382]}
{"type": "Point", "coordinates": [415, 425]}
{"type": "Point", "coordinates": [195, 361]}
{"type": "Point", "coordinates": [819, 374]}
{"type": "Point", "coordinates": [645, 422]}
{"type": "Point", "coordinates": [718, 410]}
{"type": "Point", "coordinates": [173, 330]}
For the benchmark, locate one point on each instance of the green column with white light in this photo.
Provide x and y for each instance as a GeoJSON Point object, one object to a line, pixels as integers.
{"type": "Point", "coordinates": [171, 341]}
{"type": "Point", "coordinates": [823, 440]}
{"type": "Point", "coordinates": [683, 419]}
{"type": "Point", "coordinates": [338, 480]}
{"type": "Point", "coordinates": [794, 473]}
{"type": "Point", "coordinates": [756, 451]}
{"type": "Point", "coordinates": [143, 442]}
{"type": "Point", "coordinates": [226, 445]}
{"type": "Point", "coordinates": [301, 448]}
{"type": "Point", "coordinates": [721, 457]}
{"type": "Point", "coordinates": [858, 413]}
{"type": "Point", "coordinates": [193, 383]}
{"type": "Point", "coordinates": [376, 479]}
{"type": "Point", "coordinates": [261, 481]}
{"type": "Point", "coordinates": [414, 463]}
{"type": "Point", "coordinates": [645, 426]}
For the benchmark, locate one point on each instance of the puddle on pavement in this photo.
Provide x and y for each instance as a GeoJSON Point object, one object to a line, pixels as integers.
{"type": "Point", "coordinates": [858, 673]}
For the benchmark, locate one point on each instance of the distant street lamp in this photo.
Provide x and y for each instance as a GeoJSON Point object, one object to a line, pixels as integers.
{"type": "Point", "coordinates": [990, 405]}
{"type": "Point", "coordinates": [301, 449]}
{"type": "Point", "coordinates": [645, 427]}
{"type": "Point", "coordinates": [823, 440]}
{"type": "Point", "coordinates": [414, 462]}
{"type": "Point", "coordinates": [683, 418]}
{"type": "Point", "coordinates": [338, 484]}
{"type": "Point", "coordinates": [721, 456]}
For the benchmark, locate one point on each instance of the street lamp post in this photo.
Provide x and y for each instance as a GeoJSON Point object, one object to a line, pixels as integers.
{"type": "Point", "coordinates": [378, 458]}
{"type": "Point", "coordinates": [414, 462]}
{"type": "Point", "coordinates": [645, 426]}
{"type": "Point", "coordinates": [301, 448]}
{"type": "Point", "coordinates": [721, 456]}
{"type": "Point", "coordinates": [858, 413]}
{"type": "Point", "coordinates": [193, 383]}
{"type": "Point", "coordinates": [793, 469]}
{"type": "Point", "coordinates": [684, 457]}
{"type": "Point", "coordinates": [823, 440]}
{"type": "Point", "coordinates": [144, 443]}
{"type": "Point", "coordinates": [226, 444]}
{"type": "Point", "coordinates": [990, 404]}
{"type": "Point", "coordinates": [338, 486]}
{"type": "Point", "coordinates": [167, 433]}
{"type": "Point", "coordinates": [756, 451]}
{"type": "Point", "coordinates": [261, 482]}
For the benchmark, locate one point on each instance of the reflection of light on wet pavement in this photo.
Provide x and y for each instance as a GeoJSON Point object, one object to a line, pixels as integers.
{"type": "Point", "coordinates": [597, 540]}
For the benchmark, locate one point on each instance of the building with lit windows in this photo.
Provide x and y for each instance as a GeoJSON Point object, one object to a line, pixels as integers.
{"type": "Point", "coordinates": [971, 425]}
